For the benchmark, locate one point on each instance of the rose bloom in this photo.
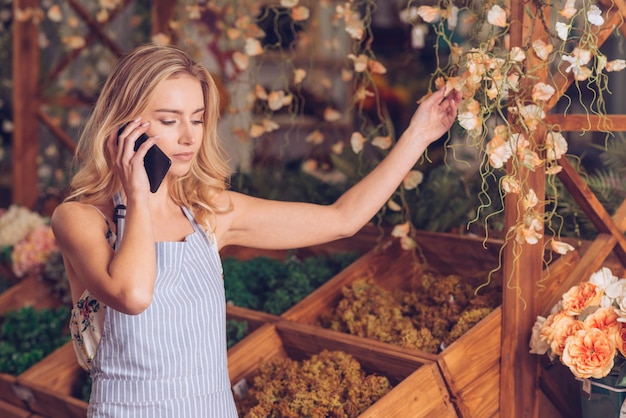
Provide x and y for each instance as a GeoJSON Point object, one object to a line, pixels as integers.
{"type": "Point", "coordinates": [605, 319]}
{"type": "Point", "coordinates": [580, 297]}
{"type": "Point", "coordinates": [589, 353]}
{"type": "Point", "coordinates": [558, 328]}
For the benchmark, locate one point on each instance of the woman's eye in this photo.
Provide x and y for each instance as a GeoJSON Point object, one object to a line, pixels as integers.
{"type": "Point", "coordinates": [198, 122]}
{"type": "Point", "coordinates": [168, 122]}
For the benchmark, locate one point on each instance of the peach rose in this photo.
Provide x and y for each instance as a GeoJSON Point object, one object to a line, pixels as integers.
{"type": "Point", "coordinates": [580, 297]}
{"type": "Point", "coordinates": [605, 319]}
{"type": "Point", "coordinates": [589, 353]}
{"type": "Point", "coordinates": [558, 328]}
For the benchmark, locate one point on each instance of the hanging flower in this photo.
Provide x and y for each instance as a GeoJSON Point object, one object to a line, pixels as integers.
{"type": "Point", "coordinates": [360, 62]}
{"type": "Point", "coordinates": [594, 15]}
{"type": "Point", "coordinates": [578, 60]}
{"type": "Point", "coordinates": [556, 146]}
{"type": "Point", "coordinates": [542, 49]}
{"type": "Point", "coordinates": [542, 91]}
{"type": "Point", "coordinates": [615, 65]}
{"type": "Point", "coordinates": [413, 179]}
{"type": "Point", "coordinates": [316, 137]}
{"type": "Point", "coordinates": [569, 10]}
{"type": "Point", "coordinates": [356, 142]}
{"type": "Point", "coordinates": [429, 14]}
{"type": "Point", "coordinates": [562, 30]}
{"type": "Point", "coordinates": [382, 142]}
{"type": "Point", "coordinates": [298, 75]}
{"type": "Point", "coordinates": [497, 16]}
{"type": "Point", "coordinates": [332, 115]}
{"type": "Point", "coordinates": [253, 47]}
{"type": "Point", "coordinates": [560, 247]}
{"type": "Point", "coordinates": [300, 13]}
{"type": "Point", "coordinates": [510, 184]}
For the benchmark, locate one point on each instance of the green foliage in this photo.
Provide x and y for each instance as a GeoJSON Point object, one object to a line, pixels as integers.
{"type": "Point", "coordinates": [28, 335]}
{"type": "Point", "coordinates": [608, 185]}
{"type": "Point", "coordinates": [286, 184]}
{"type": "Point", "coordinates": [235, 331]}
{"type": "Point", "coordinates": [273, 286]}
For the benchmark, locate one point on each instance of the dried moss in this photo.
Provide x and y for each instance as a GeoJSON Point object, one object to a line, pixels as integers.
{"type": "Point", "coordinates": [328, 384]}
{"type": "Point", "coordinates": [429, 317]}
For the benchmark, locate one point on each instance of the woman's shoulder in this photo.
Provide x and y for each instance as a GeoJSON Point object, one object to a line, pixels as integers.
{"type": "Point", "coordinates": [68, 215]}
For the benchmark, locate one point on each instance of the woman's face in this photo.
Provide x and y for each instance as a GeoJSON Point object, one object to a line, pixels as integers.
{"type": "Point", "coordinates": [176, 115]}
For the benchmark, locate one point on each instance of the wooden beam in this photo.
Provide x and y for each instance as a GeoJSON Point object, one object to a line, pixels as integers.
{"type": "Point", "coordinates": [59, 133]}
{"type": "Point", "coordinates": [96, 27]}
{"type": "Point", "coordinates": [25, 69]}
{"type": "Point", "coordinates": [590, 204]}
{"type": "Point", "coordinates": [162, 12]}
{"type": "Point", "coordinates": [592, 123]}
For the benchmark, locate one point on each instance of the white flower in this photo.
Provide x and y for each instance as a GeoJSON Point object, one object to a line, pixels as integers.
{"type": "Point", "coordinates": [429, 13]}
{"type": "Point", "coordinates": [537, 344]}
{"type": "Point", "coordinates": [562, 30]}
{"type": "Point", "coordinates": [615, 291]}
{"type": "Point", "coordinates": [577, 61]}
{"type": "Point", "coordinates": [517, 54]}
{"type": "Point", "coordinates": [16, 223]}
{"type": "Point", "coordinates": [615, 65]}
{"type": "Point", "coordinates": [605, 280]}
{"type": "Point", "coordinates": [556, 146]}
{"type": "Point", "coordinates": [569, 9]}
{"type": "Point", "coordinates": [413, 179]}
{"type": "Point", "coordinates": [497, 16]}
{"type": "Point", "coordinates": [621, 310]}
{"type": "Point", "coordinates": [542, 91]}
{"type": "Point", "coordinates": [594, 15]}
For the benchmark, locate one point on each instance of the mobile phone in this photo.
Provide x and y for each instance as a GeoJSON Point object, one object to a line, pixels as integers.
{"type": "Point", "coordinates": [156, 162]}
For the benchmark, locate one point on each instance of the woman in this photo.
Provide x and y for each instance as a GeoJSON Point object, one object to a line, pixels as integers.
{"type": "Point", "coordinates": [144, 270]}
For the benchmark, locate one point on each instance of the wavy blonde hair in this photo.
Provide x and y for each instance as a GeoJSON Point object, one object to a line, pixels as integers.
{"type": "Point", "coordinates": [124, 96]}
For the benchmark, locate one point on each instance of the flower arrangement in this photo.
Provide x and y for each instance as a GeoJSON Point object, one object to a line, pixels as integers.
{"type": "Point", "coordinates": [27, 241]}
{"type": "Point", "coordinates": [509, 89]}
{"type": "Point", "coordinates": [586, 329]}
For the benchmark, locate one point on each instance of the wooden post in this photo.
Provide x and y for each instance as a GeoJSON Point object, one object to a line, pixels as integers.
{"type": "Point", "coordinates": [523, 263]}
{"type": "Point", "coordinates": [25, 180]}
{"type": "Point", "coordinates": [162, 11]}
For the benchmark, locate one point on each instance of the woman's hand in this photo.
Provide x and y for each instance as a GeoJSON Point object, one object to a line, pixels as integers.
{"type": "Point", "coordinates": [128, 162]}
{"type": "Point", "coordinates": [434, 116]}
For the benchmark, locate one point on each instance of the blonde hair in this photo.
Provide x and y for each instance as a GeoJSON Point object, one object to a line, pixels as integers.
{"type": "Point", "coordinates": [124, 96]}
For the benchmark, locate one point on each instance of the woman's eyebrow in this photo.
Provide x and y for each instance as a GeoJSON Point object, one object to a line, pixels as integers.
{"type": "Point", "coordinates": [178, 112]}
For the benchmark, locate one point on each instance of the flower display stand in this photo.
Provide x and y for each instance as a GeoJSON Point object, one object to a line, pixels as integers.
{"type": "Point", "coordinates": [418, 388]}
{"type": "Point", "coordinates": [470, 365]}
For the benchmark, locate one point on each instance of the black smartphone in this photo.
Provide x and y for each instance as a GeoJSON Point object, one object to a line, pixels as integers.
{"type": "Point", "coordinates": [156, 162]}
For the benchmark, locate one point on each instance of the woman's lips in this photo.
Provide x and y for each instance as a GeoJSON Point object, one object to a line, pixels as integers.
{"type": "Point", "coordinates": [183, 156]}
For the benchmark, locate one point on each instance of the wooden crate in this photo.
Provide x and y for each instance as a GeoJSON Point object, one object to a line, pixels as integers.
{"type": "Point", "coordinates": [47, 386]}
{"type": "Point", "coordinates": [9, 410]}
{"type": "Point", "coordinates": [471, 364]}
{"type": "Point", "coordinates": [28, 292]}
{"type": "Point", "coordinates": [406, 372]}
